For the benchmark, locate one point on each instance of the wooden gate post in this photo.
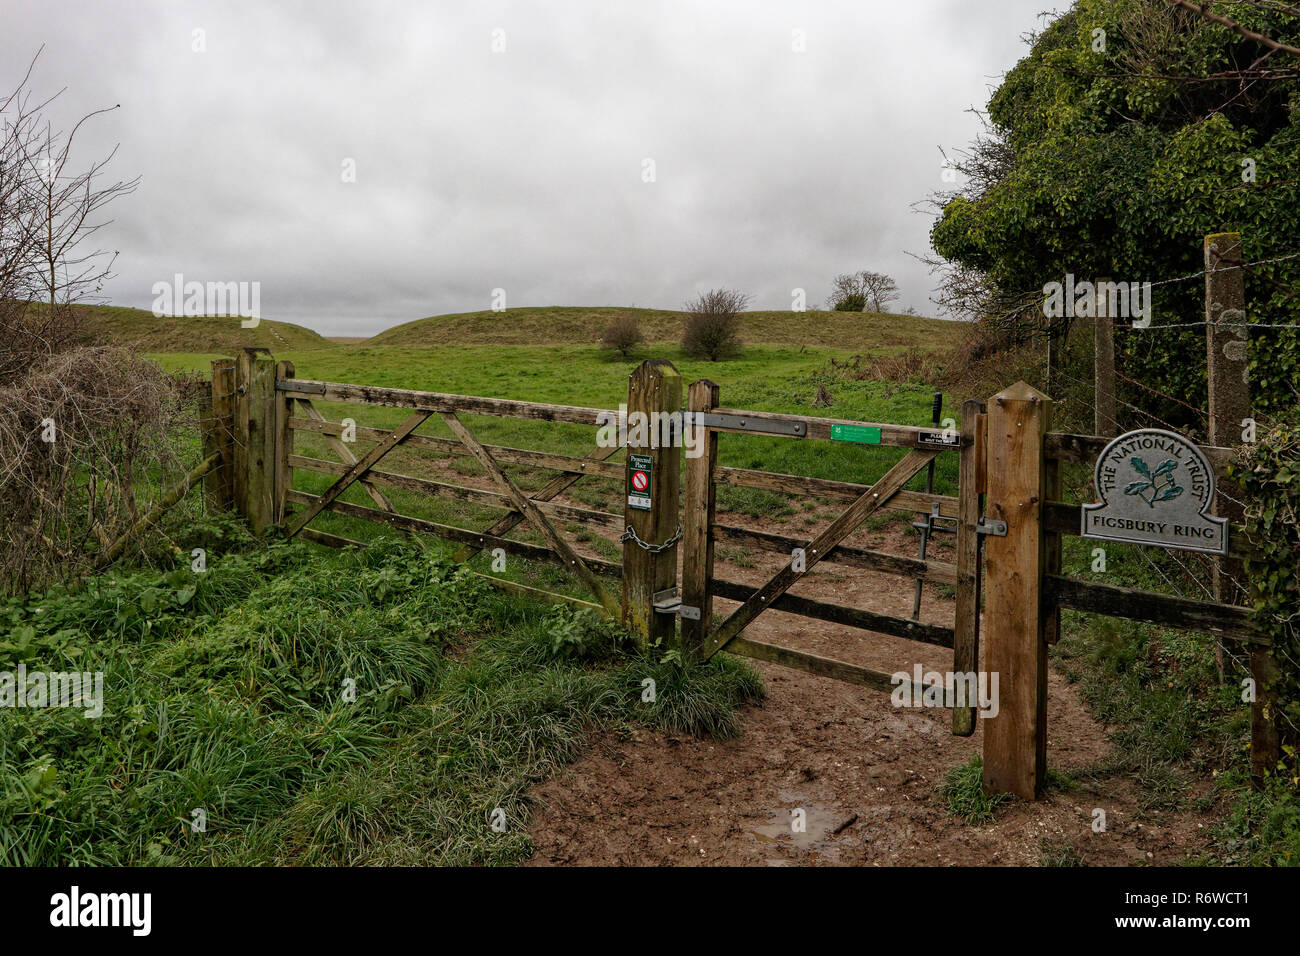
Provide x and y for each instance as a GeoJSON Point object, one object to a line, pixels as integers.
{"type": "Point", "coordinates": [697, 521]}
{"type": "Point", "coordinates": [1104, 422]}
{"type": "Point", "coordinates": [970, 487]}
{"type": "Point", "coordinates": [1015, 741]}
{"type": "Point", "coordinates": [650, 507]}
{"type": "Point", "coordinates": [218, 437]}
{"type": "Point", "coordinates": [1227, 349]}
{"type": "Point", "coordinates": [254, 438]}
{"type": "Point", "coordinates": [283, 403]}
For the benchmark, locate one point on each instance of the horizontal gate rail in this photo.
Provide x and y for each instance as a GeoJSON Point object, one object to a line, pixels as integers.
{"type": "Point", "coordinates": [450, 532]}
{"type": "Point", "coordinates": [935, 634]}
{"type": "Point", "coordinates": [492, 499]}
{"type": "Point", "coordinates": [840, 490]}
{"type": "Point", "coordinates": [847, 522]}
{"type": "Point", "coordinates": [504, 584]}
{"type": "Point", "coordinates": [535, 517]}
{"type": "Point", "coordinates": [451, 447]}
{"type": "Point", "coordinates": [359, 468]}
{"type": "Point", "coordinates": [440, 402]}
{"type": "Point", "coordinates": [1227, 620]}
{"type": "Point", "coordinates": [814, 664]}
{"type": "Point", "coordinates": [939, 572]}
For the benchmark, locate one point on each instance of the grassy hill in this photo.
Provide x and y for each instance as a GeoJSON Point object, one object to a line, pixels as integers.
{"type": "Point", "coordinates": [150, 333]}
{"type": "Point", "coordinates": [568, 325]}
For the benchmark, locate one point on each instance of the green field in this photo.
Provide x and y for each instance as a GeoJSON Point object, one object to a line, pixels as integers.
{"type": "Point", "coordinates": [764, 378]}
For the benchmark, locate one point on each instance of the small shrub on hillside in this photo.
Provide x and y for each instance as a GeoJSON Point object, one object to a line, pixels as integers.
{"type": "Point", "coordinates": [853, 302]}
{"type": "Point", "coordinates": [623, 335]}
{"type": "Point", "coordinates": [713, 324]}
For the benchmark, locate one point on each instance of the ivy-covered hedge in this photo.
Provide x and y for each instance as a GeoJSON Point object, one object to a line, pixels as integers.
{"type": "Point", "coordinates": [1269, 472]}
{"type": "Point", "coordinates": [1116, 152]}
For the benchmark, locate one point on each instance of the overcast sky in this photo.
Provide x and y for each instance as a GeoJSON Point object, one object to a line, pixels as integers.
{"type": "Point", "coordinates": [521, 168]}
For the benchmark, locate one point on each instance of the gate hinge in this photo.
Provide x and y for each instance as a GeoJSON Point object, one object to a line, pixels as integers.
{"type": "Point", "coordinates": [991, 526]}
{"type": "Point", "coordinates": [668, 602]}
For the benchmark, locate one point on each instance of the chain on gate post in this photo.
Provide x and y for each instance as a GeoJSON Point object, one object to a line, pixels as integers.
{"type": "Point", "coordinates": [650, 511]}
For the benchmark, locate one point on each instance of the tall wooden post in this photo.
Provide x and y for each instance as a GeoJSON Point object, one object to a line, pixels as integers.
{"type": "Point", "coordinates": [255, 437]}
{"type": "Point", "coordinates": [1104, 422]}
{"type": "Point", "coordinates": [1015, 741]}
{"type": "Point", "coordinates": [284, 402]}
{"type": "Point", "coordinates": [965, 653]}
{"type": "Point", "coordinates": [697, 521]}
{"type": "Point", "coordinates": [218, 437]}
{"type": "Point", "coordinates": [651, 510]}
{"type": "Point", "coordinates": [1227, 349]}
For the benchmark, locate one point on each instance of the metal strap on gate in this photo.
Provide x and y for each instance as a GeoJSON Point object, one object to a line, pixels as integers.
{"type": "Point", "coordinates": [766, 426]}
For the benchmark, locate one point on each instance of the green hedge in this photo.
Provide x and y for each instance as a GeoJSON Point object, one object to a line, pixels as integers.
{"type": "Point", "coordinates": [1269, 473]}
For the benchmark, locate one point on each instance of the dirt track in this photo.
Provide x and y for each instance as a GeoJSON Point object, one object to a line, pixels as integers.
{"type": "Point", "coordinates": [863, 771]}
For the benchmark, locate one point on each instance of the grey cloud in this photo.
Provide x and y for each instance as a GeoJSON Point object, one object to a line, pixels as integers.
{"type": "Point", "coordinates": [519, 170]}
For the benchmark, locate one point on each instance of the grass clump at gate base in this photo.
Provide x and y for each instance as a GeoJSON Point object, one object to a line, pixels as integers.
{"type": "Point", "coordinates": [962, 790]}
{"type": "Point", "coordinates": [362, 707]}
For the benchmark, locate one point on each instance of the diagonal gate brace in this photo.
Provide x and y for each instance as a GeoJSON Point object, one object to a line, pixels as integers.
{"type": "Point", "coordinates": [889, 484]}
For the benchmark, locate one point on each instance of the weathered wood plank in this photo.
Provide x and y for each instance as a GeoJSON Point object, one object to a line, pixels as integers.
{"type": "Point", "coordinates": [536, 594]}
{"type": "Point", "coordinates": [360, 468]}
{"type": "Point", "coordinates": [654, 389]}
{"type": "Point", "coordinates": [480, 540]}
{"type": "Point", "coordinates": [283, 405]}
{"type": "Point", "coordinates": [530, 510]}
{"type": "Point", "coordinates": [443, 403]}
{"type": "Point", "coordinates": [219, 437]}
{"type": "Point", "coordinates": [1229, 622]}
{"type": "Point", "coordinates": [492, 499]}
{"type": "Point", "coordinates": [813, 664]}
{"type": "Point", "coordinates": [255, 437]}
{"type": "Point", "coordinates": [939, 572]}
{"type": "Point", "coordinates": [591, 465]}
{"type": "Point", "coordinates": [935, 634]}
{"type": "Point", "coordinates": [815, 550]}
{"type": "Point", "coordinates": [823, 487]}
{"type": "Point", "coordinates": [343, 451]}
{"type": "Point", "coordinates": [698, 528]}
{"type": "Point", "coordinates": [965, 656]}
{"type": "Point", "coordinates": [1015, 740]}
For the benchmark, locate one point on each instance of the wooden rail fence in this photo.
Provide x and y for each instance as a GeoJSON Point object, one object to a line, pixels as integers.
{"type": "Point", "coordinates": [1009, 516]}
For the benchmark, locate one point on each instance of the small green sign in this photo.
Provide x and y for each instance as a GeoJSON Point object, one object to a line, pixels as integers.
{"type": "Point", "coordinates": [866, 434]}
{"type": "Point", "coordinates": [640, 481]}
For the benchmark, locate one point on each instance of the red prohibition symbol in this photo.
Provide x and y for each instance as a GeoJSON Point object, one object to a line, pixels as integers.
{"type": "Point", "coordinates": [640, 480]}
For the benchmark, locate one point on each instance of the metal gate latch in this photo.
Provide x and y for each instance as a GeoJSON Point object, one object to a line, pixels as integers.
{"type": "Point", "coordinates": [991, 526]}
{"type": "Point", "coordinates": [668, 602]}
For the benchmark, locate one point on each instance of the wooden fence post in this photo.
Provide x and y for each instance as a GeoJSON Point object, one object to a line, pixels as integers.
{"type": "Point", "coordinates": [697, 522]}
{"type": "Point", "coordinates": [284, 402]}
{"type": "Point", "coordinates": [218, 437]}
{"type": "Point", "coordinates": [1104, 422]}
{"type": "Point", "coordinates": [1015, 741]}
{"type": "Point", "coordinates": [965, 651]}
{"type": "Point", "coordinates": [650, 506]}
{"type": "Point", "coordinates": [1227, 350]}
{"type": "Point", "coordinates": [255, 437]}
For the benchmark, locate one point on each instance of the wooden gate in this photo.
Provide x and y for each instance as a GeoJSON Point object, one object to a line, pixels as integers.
{"type": "Point", "coordinates": [1009, 520]}
{"type": "Point", "coordinates": [702, 638]}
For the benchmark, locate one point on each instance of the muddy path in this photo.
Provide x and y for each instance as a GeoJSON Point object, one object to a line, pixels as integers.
{"type": "Point", "coordinates": [862, 771]}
